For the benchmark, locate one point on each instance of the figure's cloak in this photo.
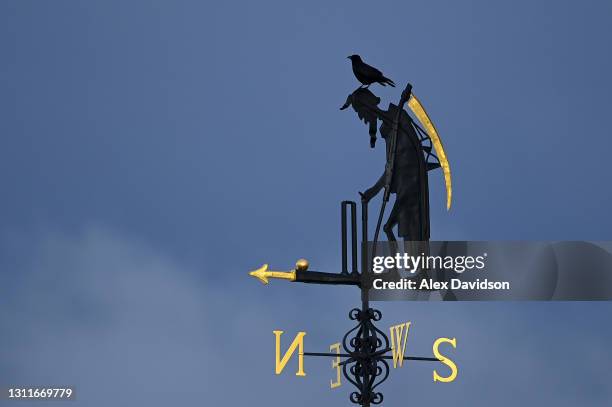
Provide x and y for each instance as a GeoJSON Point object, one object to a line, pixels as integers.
{"type": "Point", "coordinates": [409, 182]}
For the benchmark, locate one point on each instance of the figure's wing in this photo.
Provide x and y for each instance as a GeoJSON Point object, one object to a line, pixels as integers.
{"type": "Point", "coordinates": [421, 114]}
{"type": "Point", "coordinates": [365, 104]}
{"type": "Point", "coordinates": [370, 71]}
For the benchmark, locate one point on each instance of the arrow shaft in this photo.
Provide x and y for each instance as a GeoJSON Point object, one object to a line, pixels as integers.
{"type": "Point", "coordinates": [318, 277]}
{"type": "Point", "coordinates": [281, 275]}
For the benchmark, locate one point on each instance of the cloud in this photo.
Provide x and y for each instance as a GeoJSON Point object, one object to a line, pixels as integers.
{"type": "Point", "coordinates": [128, 325]}
{"type": "Point", "coordinates": [111, 316]}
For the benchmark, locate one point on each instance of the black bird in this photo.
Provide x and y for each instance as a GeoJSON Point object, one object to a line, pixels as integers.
{"type": "Point", "coordinates": [367, 74]}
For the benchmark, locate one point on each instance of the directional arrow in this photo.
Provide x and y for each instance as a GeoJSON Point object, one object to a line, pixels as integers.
{"type": "Point", "coordinates": [301, 274]}
{"type": "Point", "coordinates": [263, 274]}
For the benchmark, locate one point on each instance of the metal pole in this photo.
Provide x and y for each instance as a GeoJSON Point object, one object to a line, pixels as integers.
{"type": "Point", "coordinates": [343, 231]}
{"type": "Point", "coordinates": [354, 237]}
{"type": "Point", "coordinates": [364, 254]}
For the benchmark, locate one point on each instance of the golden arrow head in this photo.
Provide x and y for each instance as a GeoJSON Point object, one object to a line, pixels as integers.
{"type": "Point", "coordinates": [261, 274]}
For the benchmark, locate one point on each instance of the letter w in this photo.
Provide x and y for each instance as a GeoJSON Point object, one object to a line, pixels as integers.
{"type": "Point", "coordinates": [398, 345]}
{"type": "Point", "coordinates": [298, 341]}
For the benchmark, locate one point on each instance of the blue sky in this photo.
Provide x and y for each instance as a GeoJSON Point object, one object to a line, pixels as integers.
{"type": "Point", "coordinates": [151, 153]}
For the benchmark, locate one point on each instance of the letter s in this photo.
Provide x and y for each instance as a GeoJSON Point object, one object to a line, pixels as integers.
{"type": "Point", "coordinates": [480, 261]}
{"type": "Point", "coordinates": [445, 360]}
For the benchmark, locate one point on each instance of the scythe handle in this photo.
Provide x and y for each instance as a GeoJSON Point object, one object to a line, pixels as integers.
{"type": "Point", "coordinates": [391, 152]}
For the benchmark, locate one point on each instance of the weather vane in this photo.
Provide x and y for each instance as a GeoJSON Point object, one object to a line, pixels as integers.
{"type": "Point", "coordinates": [412, 150]}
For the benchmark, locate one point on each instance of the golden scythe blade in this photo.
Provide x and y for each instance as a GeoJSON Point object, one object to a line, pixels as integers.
{"type": "Point", "coordinates": [421, 114]}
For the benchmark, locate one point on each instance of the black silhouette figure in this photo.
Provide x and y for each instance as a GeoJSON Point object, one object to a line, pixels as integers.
{"type": "Point", "coordinates": [410, 212]}
{"type": "Point", "coordinates": [367, 74]}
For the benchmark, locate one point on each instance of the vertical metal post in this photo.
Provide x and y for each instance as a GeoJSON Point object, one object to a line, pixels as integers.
{"type": "Point", "coordinates": [354, 237]}
{"type": "Point", "coordinates": [343, 231]}
{"type": "Point", "coordinates": [364, 255]}
{"type": "Point", "coordinates": [354, 267]}
{"type": "Point", "coordinates": [365, 302]}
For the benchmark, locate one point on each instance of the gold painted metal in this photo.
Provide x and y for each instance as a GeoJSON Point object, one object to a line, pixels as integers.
{"type": "Point", "coordinates": [336, 365]}
{"type": "Point", "coordinates": [298, 343]}
{"type": "Point", "coordinates": [448, 362]}
{"type": "Point", "coordinates": [263, 274]}
{"type": "Point", "coordinates": [302, 265]}
{"type": "Point", "coordinates": [421, 114]}
{"type": "Point", "coordinates": [398, 344]}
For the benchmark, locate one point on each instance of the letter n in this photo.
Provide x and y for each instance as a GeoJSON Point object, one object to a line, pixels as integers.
{"type": "Point", "coordinates": [298, 342]}
{"type": "Point", "coordinates": [398, 343]}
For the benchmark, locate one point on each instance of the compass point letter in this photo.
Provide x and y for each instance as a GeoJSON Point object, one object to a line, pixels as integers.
{"type": "Point", "coordinates": [298, 342]}
{"type": "Point", "coordinates": [445, 360]}
{"type": "Point", "coordinates": [398, 344]}
{"type": "Point", "coordinates": [336, 365]}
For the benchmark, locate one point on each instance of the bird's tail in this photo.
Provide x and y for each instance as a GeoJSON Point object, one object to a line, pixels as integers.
{"type": "Point", "coordinates": [386, 81]}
